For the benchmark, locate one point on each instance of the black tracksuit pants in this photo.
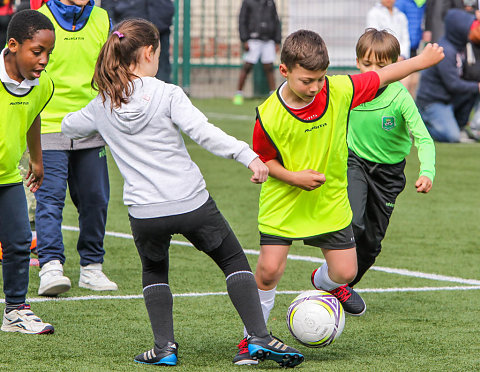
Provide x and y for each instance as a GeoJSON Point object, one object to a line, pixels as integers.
{"type": "Point", "coordinates": [372, 191]}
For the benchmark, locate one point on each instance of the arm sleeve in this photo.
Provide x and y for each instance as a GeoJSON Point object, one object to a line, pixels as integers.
{"type": "Point", "coordinates": [422, 139]}
{"type": "Point", "coordinates": [262, 144]}
{"type": "Point", "coordinates": [278, 28]}
{"type": "Point", "coordinates": [243, 23]}
{"type": "Point", "coordinates": [193, 123]}
{"type": "Point", "coordinates": [81, 123]}
{"type": "Point", "coordinates": [365, 86]}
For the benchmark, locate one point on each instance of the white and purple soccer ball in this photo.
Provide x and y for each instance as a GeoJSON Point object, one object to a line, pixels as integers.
{"type": "Point", "coordinates": [315, 318]}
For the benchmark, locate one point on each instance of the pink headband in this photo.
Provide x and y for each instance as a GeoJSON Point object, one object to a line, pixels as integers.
{"type": "Point", "coordinates": [119, 34]}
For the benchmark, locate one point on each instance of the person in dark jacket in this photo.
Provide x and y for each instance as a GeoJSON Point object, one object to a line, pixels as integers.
{"type": "Point", "coordinates": [159, 12]}
{"type": "Point", "coordinates": [444, 98]}
{"type": "Point", "coordinates": [260, 34]}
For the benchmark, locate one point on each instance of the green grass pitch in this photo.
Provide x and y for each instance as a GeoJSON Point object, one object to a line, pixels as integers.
{"type": "Point", "coordinates": [414, 320]}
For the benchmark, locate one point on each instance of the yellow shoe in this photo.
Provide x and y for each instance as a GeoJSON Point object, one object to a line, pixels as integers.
{"type": "Point", "coordinates": [238, 99]}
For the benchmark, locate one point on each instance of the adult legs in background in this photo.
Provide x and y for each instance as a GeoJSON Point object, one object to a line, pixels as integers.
{"type": "Point", "coordinates": [164, 66]}
{"type": "Point", "coordinates": [441, 121]}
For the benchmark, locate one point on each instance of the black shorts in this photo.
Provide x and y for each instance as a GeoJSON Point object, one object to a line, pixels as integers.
{"type": "Point", "coordinates": [205, 228]}
{"type": "Point", "coordinates": [341, 239]}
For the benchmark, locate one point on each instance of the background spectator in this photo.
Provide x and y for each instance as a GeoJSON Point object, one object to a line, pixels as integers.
{"type": "Point", "coordinates": [414, 10]}
{"type": "Point", "coordinates": [261, 35]}
{"type": "Point", "coordinates": [386, 16]}
{"type": "Point", "coordinates": [435, 11]}
{"type": "Point", "coordinates": [445, 100]}
{"type": "Point", "coordinates": [6, 11]}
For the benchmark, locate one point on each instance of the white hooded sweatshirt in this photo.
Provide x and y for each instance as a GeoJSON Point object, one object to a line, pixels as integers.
{"type": "Point", "coordinates": [160, 178]}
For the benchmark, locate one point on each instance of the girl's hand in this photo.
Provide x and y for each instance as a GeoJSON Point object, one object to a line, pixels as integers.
{"type": "Point", "coordinates": [260, 171]}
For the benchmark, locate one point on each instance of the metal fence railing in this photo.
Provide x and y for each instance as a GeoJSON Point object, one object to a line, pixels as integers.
{"type": "Point", "coordinates": [206, 49]}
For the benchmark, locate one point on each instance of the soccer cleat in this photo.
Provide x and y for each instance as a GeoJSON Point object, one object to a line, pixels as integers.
{"type": "Point", "coordinates": [243, 356]}
{"type": "Point", "coordinates": [92, 277]}
{"type": "Point", "coordinates": [163, 357]}
{"type": "Point", "coordinates": [52, 280]}
{"type": "Point", "coordinates": [271, 348]}
{"type": "Point", "coordinates": [351, 301]}
{"type": "Point", "coordinates": [238, 99]}
{"type": "Point", "coordinates": [23, 320]}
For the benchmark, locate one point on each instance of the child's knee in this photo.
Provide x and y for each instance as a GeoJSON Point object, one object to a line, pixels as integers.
{"type": "Point", "coordinates": [345, 274]}
{"type": "Point", "coordinates": [268, 274]}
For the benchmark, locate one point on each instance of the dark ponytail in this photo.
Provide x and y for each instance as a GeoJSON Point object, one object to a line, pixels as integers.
{"type": "Point", "coordinates": [112, 75]}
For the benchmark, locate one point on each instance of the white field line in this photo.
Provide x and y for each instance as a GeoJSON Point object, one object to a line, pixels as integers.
{"type": "Point", "coordinates": [204, 294]}
{"type": "Point", "coordinates": [415, 274]}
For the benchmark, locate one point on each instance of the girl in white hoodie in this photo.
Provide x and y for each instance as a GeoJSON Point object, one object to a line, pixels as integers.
{"type": "Point", "coordinates": [140, 118]}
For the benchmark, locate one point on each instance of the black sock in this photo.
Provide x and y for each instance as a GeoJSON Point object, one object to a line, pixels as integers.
{"type": "Point", "coordinates": [159, 302]}
{"type": "Point", "coordinates": [9, 306]}
{"type": "Point", "coordinates": [243, 292]}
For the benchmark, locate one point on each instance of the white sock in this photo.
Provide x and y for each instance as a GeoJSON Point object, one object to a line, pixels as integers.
{"type": "Point", "coordinates": [323, 281]}
{"type": "Point", "coordinates": [267, 300]}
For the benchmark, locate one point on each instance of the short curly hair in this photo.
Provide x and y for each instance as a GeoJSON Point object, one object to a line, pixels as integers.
{"type": "Point", "coordinates": [26, 23]}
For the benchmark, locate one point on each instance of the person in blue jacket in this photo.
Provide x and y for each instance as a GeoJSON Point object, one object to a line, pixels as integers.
{"type": "Point", "coordinates": [444, 98]}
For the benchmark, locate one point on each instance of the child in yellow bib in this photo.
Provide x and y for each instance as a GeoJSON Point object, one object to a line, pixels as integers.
{"type": "Point", "coordinates": [300, 134]}
{"type": "Point", "coordinates": [24, 92]}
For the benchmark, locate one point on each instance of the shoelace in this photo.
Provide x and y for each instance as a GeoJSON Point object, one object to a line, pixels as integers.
{"type": "Point", "coordinates": [243, 345]}
{"type": "Point", "coordinates": [342, 293]}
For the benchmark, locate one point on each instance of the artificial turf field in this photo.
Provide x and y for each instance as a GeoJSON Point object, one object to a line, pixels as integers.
{"type": "Point", "coordinates": [423, 298]}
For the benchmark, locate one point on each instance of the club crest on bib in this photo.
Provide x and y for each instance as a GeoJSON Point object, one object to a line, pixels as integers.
{"type": "Point", "coordinates": [388, 122]}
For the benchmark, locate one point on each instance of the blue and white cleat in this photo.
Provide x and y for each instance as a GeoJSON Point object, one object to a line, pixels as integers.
{"type": "Point", "coordinates": [166, 356]}
{"type": "Point", "coordinates": [271, 348]}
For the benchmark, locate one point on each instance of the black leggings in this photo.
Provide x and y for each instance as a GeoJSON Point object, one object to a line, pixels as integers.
{"type": "Point", "coordinates": [229, 257]}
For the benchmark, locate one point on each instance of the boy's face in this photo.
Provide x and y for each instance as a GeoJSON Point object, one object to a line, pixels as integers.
{"type": "Point", "coordinates": [32, 55]}
{"type": "Point", "coordinates": [370, 63]}
{"type": "Point", "coordinates": [305, 84]}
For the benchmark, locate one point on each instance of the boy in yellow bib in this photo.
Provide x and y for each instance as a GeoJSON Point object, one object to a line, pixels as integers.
{"type": "Point", "coordinates": [81, 28]}
{"type": "Point", "coordinates": [24, 92]}
{"type": "Point", "coordinates": [300, 134]}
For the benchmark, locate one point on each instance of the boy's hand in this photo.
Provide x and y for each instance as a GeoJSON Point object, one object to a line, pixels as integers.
{"type": "Point", "coordinates": [34, 176]}
{"type": "Point", "coordinates": [309, 179]}
{"type": "Point", "coordinates": [423, 184]}
{"type": "Point", "coordinates": [431, 55]}
{"type": "Point", "coordinates": [260, 171]}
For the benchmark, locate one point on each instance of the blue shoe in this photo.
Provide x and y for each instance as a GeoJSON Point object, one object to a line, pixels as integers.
{"type": "Point", "coordinates": [163, 357]}
{"type": "Point", "coordinates": [271, 348]}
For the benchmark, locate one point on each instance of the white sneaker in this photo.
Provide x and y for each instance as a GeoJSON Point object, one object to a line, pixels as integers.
{"type": "Point", "coordinates": [92, 277]}
{"type": "Point", "coordinates": [52, 280]}
{"type": "Point", "coordinates": [23, 320]}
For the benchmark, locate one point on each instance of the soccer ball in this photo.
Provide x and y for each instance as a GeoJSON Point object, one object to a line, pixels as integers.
{"type": "Point", "coordinates": [315, 318]}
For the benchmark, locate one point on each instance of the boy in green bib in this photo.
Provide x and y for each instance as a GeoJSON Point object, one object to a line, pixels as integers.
{"type": "Point", "coordinates": [24, 92]}
{"type": "Point", "coordinates": [300, 134]}
{"type": "Point", "coordinates": [378, 141]}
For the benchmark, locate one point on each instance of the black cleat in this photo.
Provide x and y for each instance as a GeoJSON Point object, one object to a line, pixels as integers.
{"type": "Point", "coordinates": [351, 301]}
{"type": "Point", "coordinates": [271, 348]}
{"type": "Point", "coordinates": [166, 356]}
{"type": "Point", "coordinates": [243, 356]}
